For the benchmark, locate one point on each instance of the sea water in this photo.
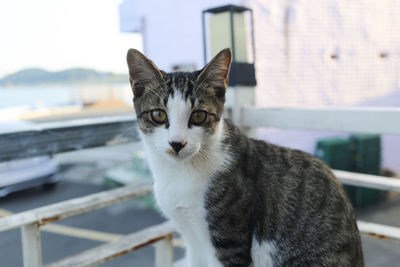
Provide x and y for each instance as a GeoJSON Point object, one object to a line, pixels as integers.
{"type": "Point", "coordinates": [23, 98]}
{"type": "Point", "coordinates": [39, 96]}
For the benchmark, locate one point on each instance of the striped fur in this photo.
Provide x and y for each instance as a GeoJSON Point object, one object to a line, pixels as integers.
{"type": "Point", "coordinates": [237, 201]}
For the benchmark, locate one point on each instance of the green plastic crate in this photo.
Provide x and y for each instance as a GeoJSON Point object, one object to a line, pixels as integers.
{"type": "Point", "coordinates": [133, 172]}
{"type": "Point", "coordinates": [337, 154]}
{"type": "Point", "coordinates": [367, 159]}
{"type": "Point", "coordinates": [359, 153]}
{"type": "Point", "coordinates": [367, 153]}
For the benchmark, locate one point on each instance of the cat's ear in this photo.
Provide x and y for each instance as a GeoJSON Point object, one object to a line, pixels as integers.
{"type": "Point", "coordinates": [216, 73]}
{"type": "Point", "coordinates": [142, 72]}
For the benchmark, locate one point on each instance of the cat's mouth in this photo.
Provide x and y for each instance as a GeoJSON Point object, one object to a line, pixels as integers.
{"type": "Point", "coordinates": [171, 152]}
{"type": "Point", "coordinates": [178, 156]}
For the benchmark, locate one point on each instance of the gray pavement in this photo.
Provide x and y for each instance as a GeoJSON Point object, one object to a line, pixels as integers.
{"type": "Point", "coordinates": [379, 252]}
{"type": "Point", "coordinates": [89, 165]}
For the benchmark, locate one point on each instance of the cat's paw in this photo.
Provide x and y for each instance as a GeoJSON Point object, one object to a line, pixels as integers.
{"type": "Point", "coordinates": [181, 263]}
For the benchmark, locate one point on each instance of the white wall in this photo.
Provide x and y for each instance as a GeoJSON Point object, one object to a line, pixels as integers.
{"type": "Point", "coordinates": [172, 30]}
{"type": "Point", "coordinates": [296, 38]}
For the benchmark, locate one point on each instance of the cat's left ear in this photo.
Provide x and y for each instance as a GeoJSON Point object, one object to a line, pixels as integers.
{"type": "Point", "coordinates": [216, 73]}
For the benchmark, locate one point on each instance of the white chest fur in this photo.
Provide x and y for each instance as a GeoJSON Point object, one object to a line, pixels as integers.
{"type": "Point", "coordinates": [179, 188]}
{"type": "Point", "coordinates": [261, 253]}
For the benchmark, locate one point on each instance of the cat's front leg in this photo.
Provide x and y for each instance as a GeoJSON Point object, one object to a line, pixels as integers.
{"type": "Point", "coordinates": [202, 260]}
{"type": "Point", "coordinates": [201, 256]}
{"type": "Point", "coordinates": [182, 263]}
{"type": "Point", "coordinates": [189, 261]}
{"type": "Point", "coordinates": [195, 257]}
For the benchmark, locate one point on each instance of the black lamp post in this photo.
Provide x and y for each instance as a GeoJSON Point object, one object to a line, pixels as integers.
{"type": "Point", "coordinates": [227, 27]}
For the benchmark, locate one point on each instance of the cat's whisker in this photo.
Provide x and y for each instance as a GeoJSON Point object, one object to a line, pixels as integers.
{"type": "Point", "coordinates": [131, 133]}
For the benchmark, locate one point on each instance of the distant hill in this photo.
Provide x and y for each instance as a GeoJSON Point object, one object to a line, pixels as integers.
{"type": "Point", "coordinates": [36, 76]}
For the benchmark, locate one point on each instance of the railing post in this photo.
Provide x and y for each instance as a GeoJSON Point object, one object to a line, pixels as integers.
{"type": "Point", "coordinates": [32, 254]}
{"type": "Point", "coordinates": [238, 98]}
{"type": "Point", "coordinates": [164, 252]}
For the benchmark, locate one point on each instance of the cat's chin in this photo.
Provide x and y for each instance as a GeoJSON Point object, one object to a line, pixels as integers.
{"type": "Point", "coordinates": [178, 157]}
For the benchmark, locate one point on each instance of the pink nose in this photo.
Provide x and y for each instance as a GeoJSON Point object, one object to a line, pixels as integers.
{"type": "Point", "coordinates": [177, 146]}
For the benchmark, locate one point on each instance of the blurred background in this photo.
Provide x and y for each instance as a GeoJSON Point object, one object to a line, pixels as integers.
{"type": "Point", "coordinates": [64, 60]}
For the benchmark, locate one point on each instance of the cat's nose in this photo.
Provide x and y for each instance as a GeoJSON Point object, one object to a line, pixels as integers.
{"type": "Point", "coordinates": [177, 146]}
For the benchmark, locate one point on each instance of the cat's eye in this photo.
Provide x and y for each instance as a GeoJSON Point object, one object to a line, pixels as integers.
{"type": "Point", "coordinates": [158, 116]}
{"type": "Point", "coordinates": [198, 117]}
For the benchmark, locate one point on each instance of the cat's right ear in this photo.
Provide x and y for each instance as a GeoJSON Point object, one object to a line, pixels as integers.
{"type": "Point", "coordinates": [142, 72]}
{"type": "Point", "coordinates": [216, 72]}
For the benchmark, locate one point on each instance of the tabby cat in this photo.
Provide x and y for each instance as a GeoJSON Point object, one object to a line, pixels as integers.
{"type": "Point", "coordinates": [236, 201]}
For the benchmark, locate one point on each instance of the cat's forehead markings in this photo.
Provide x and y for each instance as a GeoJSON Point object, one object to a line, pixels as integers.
{"type": "Point", "coordinates": [172, 85]}
{"type": "Point", "coordinates": [178, 109]}
{"type": "Point", "coordinates": [189, 85]}
{"type": "Point", "coordinates": [165, 100]}
{"type": "Point", "coordinates": [180, 81]}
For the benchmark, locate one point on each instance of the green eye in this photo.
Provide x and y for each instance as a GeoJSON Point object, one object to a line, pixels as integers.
{"type": "Point", "coordinates": [158, 116]}
{"type": "Point", "coordinates": [198, 117]}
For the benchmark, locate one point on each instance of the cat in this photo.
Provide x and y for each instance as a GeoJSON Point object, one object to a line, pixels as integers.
{"type": "Point", "coordinates": [236, 201]}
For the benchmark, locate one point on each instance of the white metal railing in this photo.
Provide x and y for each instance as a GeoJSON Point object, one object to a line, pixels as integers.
{"type": "Point", "coordinates": [368, 180]}
{"type": "Point", "coordinates": [63, 136]}
{"type": "Point", "coordinates": [364, 120]}
{"type": "Point", "coordinates": [30, 222]}
{"type": "Point", "coordinates": [376, 182]}
{"type": "Point", "coordinates": [357, 120]}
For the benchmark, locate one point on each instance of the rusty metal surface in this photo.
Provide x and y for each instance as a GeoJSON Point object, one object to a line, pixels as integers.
{"type": "Point", "coordinates": [74, 207]}
{"type": "Point", "coordinates": [57, 137]}
{"type": "Point", "coordinates": [124, 246]}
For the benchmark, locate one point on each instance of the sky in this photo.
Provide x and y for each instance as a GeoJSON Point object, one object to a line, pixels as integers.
{"type": "Point", "coordinates": [60, 34]}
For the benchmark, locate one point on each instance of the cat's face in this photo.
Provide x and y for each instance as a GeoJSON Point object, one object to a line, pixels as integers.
{"type": "Point", "coordinates": [179, 114]}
